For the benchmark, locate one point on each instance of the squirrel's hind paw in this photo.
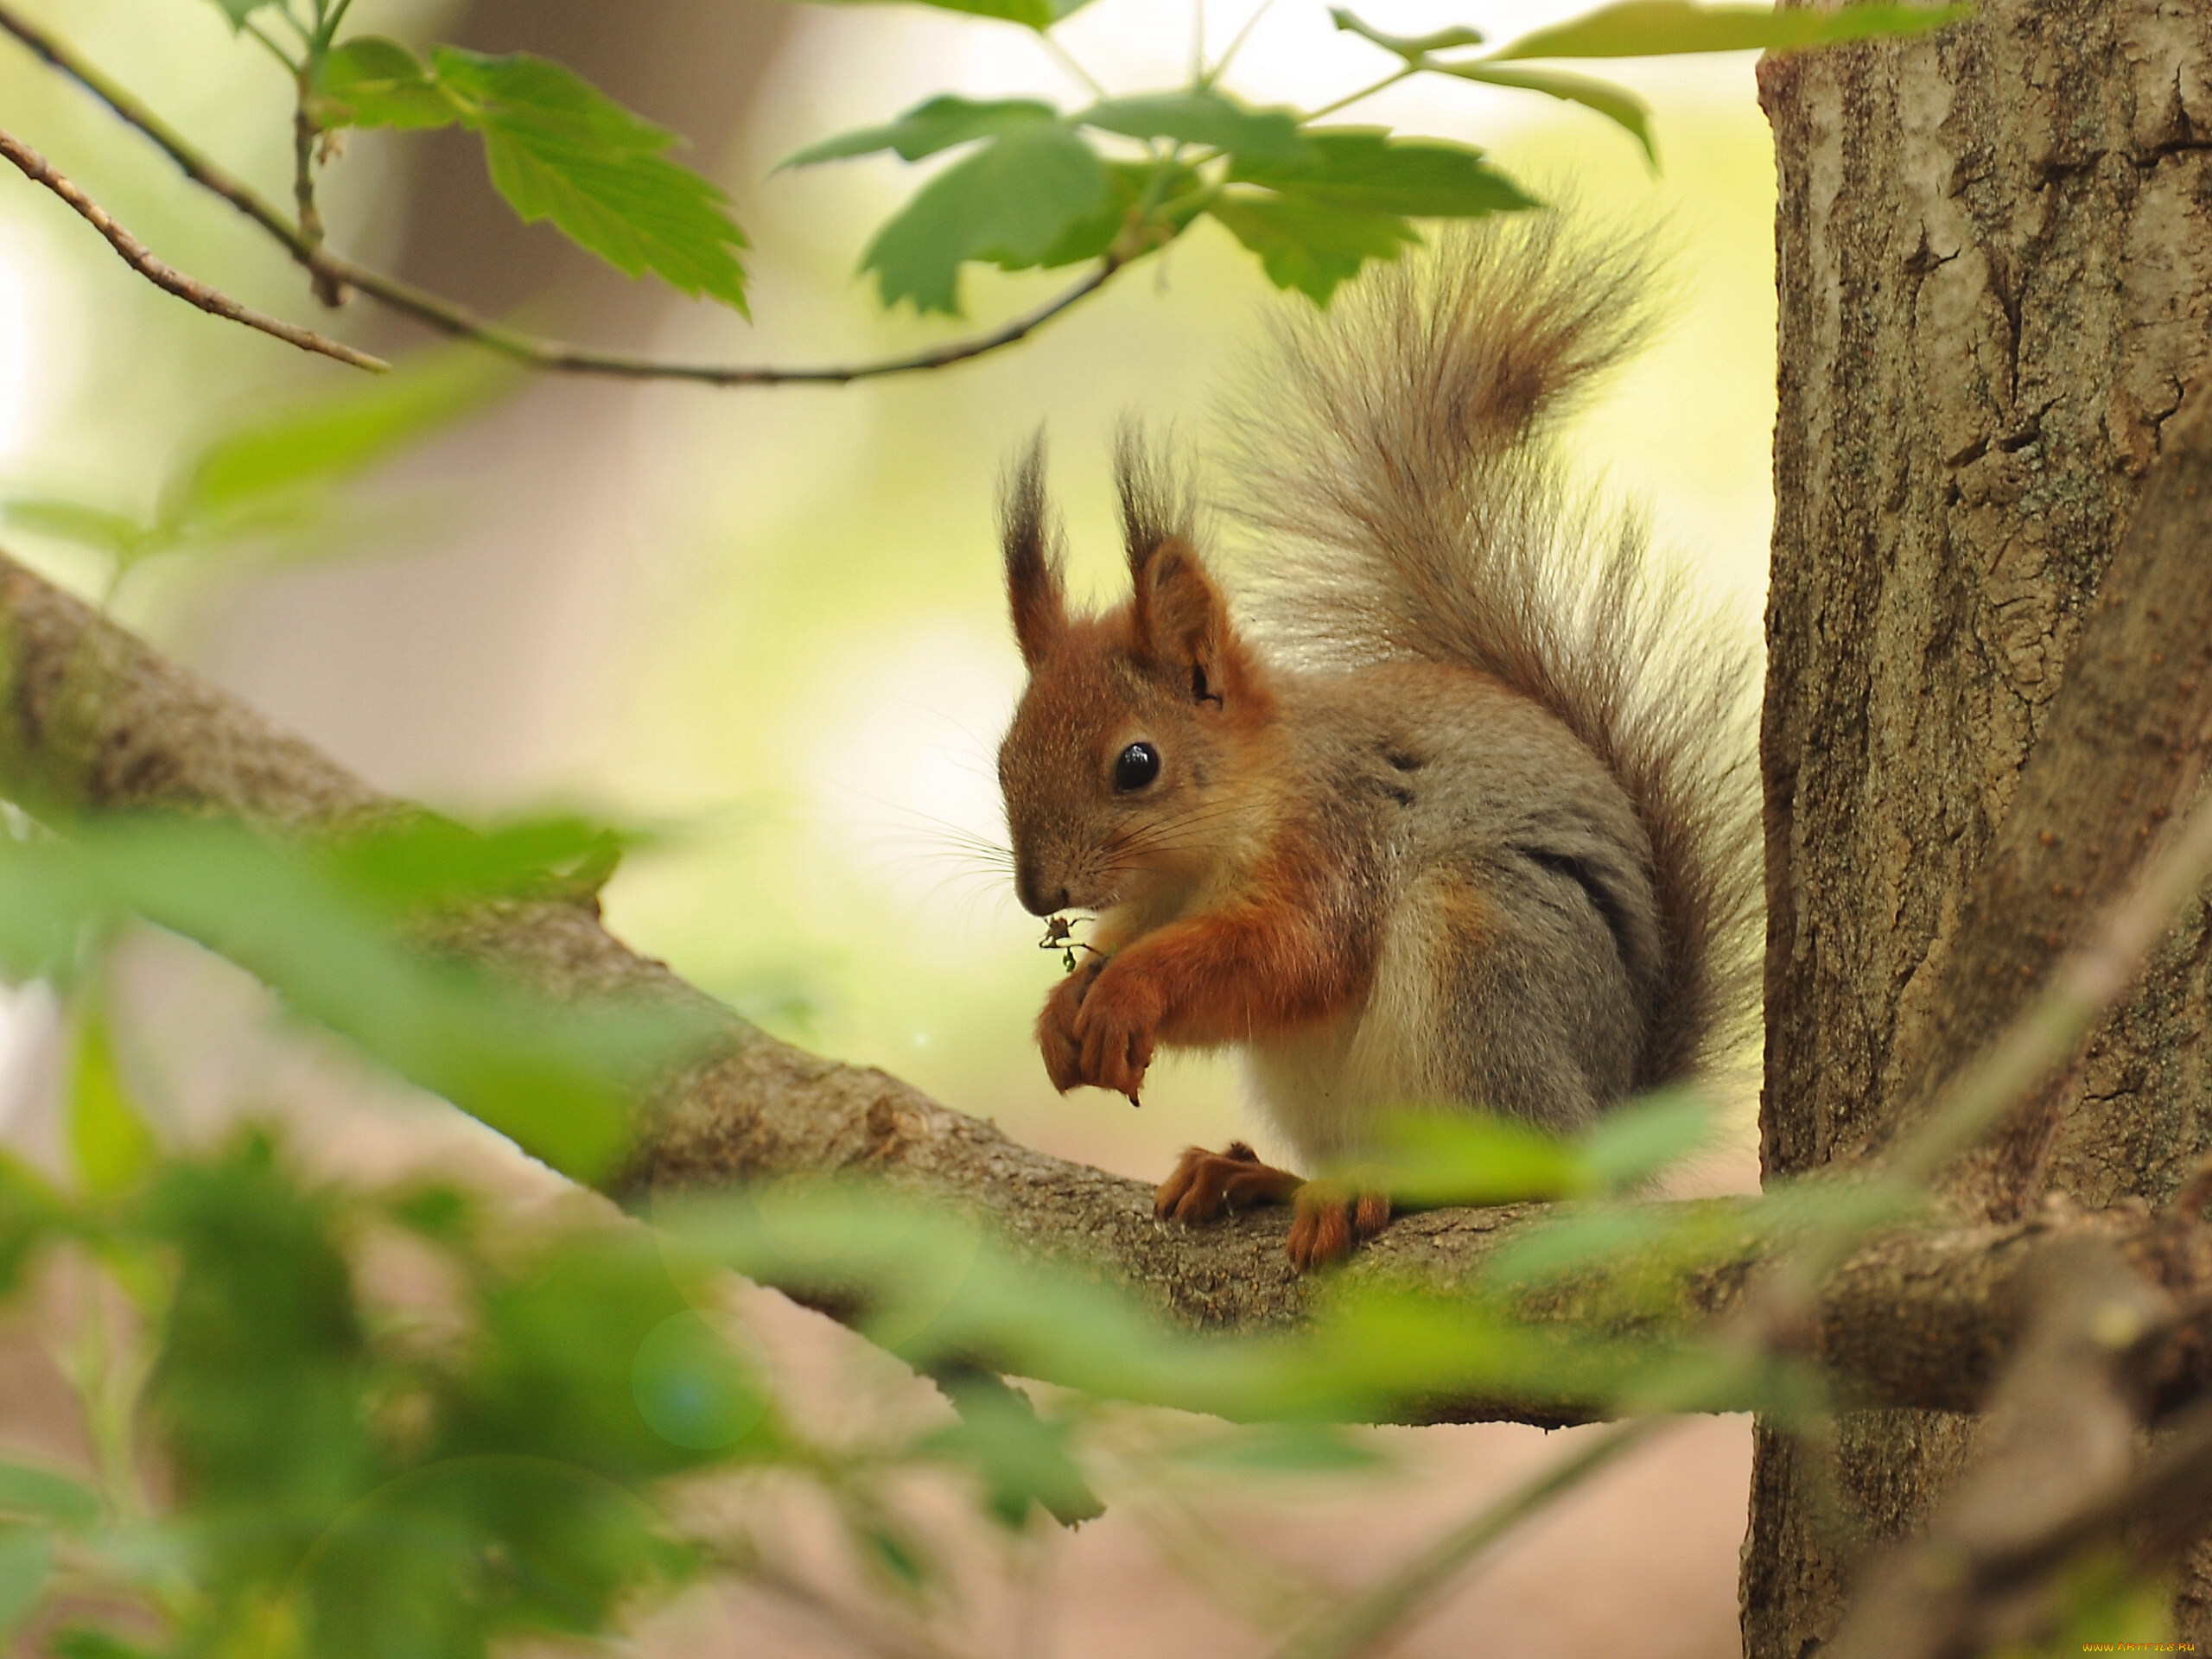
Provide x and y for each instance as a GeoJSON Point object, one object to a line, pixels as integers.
{"type": "Point", "coordinates": [1207, 1185]}
{"type": "Point", "coordinates": [1332, 1220]}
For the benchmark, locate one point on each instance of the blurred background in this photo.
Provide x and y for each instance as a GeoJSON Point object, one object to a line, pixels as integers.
{"type": "Point", "coordinates": [768, 622]}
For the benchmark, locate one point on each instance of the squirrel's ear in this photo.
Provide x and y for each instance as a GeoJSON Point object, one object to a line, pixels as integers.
{"type": "Point", "coordinates": [1183, 625]}
{"type": "Point", "coordinates": [1035, 589]}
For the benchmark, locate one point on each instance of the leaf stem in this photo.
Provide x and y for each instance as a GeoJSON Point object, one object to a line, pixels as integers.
{"type": "Point", "coordinates": [1349, 98]}
{"type": "Point", "coordinates": [1235, 46]}
{"type": "Point", "coordinates": [452, 318]}
{"type": "Point", "coordinates": [274, 50]}
{"type": "Point", "coordinates": [1068, 62]}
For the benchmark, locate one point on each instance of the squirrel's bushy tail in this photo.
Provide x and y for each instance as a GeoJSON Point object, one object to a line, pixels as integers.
{"type": "Point", "coordinates": [1393, 457]}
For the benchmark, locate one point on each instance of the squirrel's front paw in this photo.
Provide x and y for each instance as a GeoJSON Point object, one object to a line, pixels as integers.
{"type": "Point", "coordinates": [1207, 1185]}
{"type": "Point", "coordinates": [1330, 1217]}
{"type": "Point", "coordinates": [1116, 1027]}
{"type": "Point", "coordinates": [1056, 1035]}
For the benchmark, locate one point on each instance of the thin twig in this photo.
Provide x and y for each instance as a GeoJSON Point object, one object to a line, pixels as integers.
{"type": "Point", "coordinates": [1365, 1621]}
{"type": "Point", "coordinates": [535, 351]}
{"type": "Point", "coordinates": [135, 254]}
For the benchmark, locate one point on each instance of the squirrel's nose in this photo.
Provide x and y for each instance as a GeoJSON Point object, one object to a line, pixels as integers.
{"type": "Point", "coordinates": [1035, 900]}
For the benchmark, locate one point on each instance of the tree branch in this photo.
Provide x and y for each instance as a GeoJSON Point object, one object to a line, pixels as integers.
{"type": "Point", "coordinates": [36, 167]}
{"type": "Point", "coordinates": [92, 717]}
{"type": "Point", "coordinates": [334, 274]}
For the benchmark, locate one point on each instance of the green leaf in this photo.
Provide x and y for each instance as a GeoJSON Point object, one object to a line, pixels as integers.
{"type": "Point", "coordinates": [110, 1145]}
{"type": "Point", "coordinates": [1011, 203]}
{"type": "Point", "coordinates": [1093, 235]}
{"type": "Point", "coordinates": [370, 81]}
{"type": "Point", "coordinates": [118, 534]}
{"type": "Point", "coordinates": [1022, 1458]}
{"type": "Point", "coordinates": [1633, 1142]}
{"type": "Point", "coordinates": [81, 1642]}
{"type": "Point", "coordinates": [1310, 245]}
{"type": "Point", "coordinates": [1433, 1159]}
{"type": "Point", "coordinates": [345, 432]}
{"type": "Point", "coordinates": [1289, 1449]}
{"type": "Point", "coordinates": [26, 1563]}
{"type": "Point", "coordinates": [1616, 104]}
{"type": "Point", "coordinates": [690, 1385]}
{"type": "Point", "coordinates": [1039, 15]}
{"type": "Point", "coordinates": [25, 1490]}
{"type": "Point", "coordinates": [1408, 47]}
{"type": "Point", "coordinates": [1365, 169]}
{"type": "Point", "coordinates": [560, 148]}
{"type": "Point", "coordinates": [928, 128]}
{"type": "Point", "coordinates": [1203, 117]}
{"type": "Point", "coordinates": [1644, 29]}
{"type": "Point", "coordinates": [239, 10]}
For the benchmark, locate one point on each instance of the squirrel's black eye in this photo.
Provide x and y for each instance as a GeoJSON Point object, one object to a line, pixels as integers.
{"type": "Point", "coordinates": [1136, 767]}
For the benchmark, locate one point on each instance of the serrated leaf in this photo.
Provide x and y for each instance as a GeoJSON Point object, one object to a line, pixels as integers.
{"type": "Point", "coordinates": [1616, 104]}
{"type": "Point", "coordinates": [1310, 245]}
{"type": "Point", "coordinates": [370, 81]}
{"type": "Point", "coordinates": [26, 1563]}
{"type": "Point", "coordinates": [26, 1489]}
{"type": "Point", "coordinates": [1408, 47]}
{"type": "Point", "coordinates": [1011, 203]}
{"type": "Point", "coordinates": [1366, 170]}
{"type": "Point", "coordinates": [1039, 15]}
{"type": "Point", "coordinates": [110, 1145]}
{"type": "Point", "coordinates": [928, 128]}
{"type": "Point", "coordinates": [1644, 29]}
{"type": "Point", "coordinates": [317, 441]}
{"type": "Point", "coordinates": [559, 148]}
{"type": "Point", "coordinates": [1203, 117]}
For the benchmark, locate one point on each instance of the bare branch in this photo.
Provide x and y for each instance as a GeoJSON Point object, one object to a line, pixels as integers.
{"type": "Point", "coordinates": [333, 274]}
{"type": "Point", "coordinates": [36, 167]}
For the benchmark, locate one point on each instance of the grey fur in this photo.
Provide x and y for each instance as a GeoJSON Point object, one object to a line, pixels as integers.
{"type": "Point", "coordinates": [1391, 460]}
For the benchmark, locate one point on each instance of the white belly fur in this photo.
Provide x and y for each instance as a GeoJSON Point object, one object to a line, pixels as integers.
{"type": "Point", "coordinates": [1324, 1088]}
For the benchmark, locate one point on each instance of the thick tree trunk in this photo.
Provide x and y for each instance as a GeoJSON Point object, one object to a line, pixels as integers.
{"type": "Point", "coordinates": [1995, 259]}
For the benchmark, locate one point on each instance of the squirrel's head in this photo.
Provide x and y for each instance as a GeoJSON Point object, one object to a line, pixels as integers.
{"type": "Point", "coordinates": [1127, 769]}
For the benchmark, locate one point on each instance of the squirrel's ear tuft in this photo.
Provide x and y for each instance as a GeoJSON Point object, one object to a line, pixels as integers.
{"type": "Point", "coordinates": [1035, 589]}
{"type": "Point", "coordinates": [1156, 502]}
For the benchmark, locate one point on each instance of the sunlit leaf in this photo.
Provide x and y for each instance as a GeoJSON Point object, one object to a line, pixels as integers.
{"type": "Point", "coordinates": [426, 861]}
{"type": "Point", "coordinates": [316, 442]}
{"type": "Point", "coordinates": [1203, 117]}
{"type": "Point", "coordinates": [1638, 29]}
{"type": "Point", "coordinates": [28, 1490]}
{"type": "Point", "coordinates": [560, 148]}
{"type": "Point", "coordinates": [928, 128]}
{"type": "Point", "coordinates": [1366, 170]}
{"type": "Point", "coordinates": [1310, 245]}
{"type": "Point", "coordinates": [26, 1563]}
{"type": "Point", "coordinates": [1616, 104]}
{"type": "Point", "coordinates": [370, 81]}
{"type": "Point", "coordinates": [1011, 204]}
{"type": "Point", "coordinates": [1408, 47]}
{"type": "Point", "coordinates": [110, 1145]}
{"type": "Point", "coordinates": [1433, 1159]}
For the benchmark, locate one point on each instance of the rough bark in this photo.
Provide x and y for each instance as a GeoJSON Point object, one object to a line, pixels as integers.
{"type": "Point", "coordinates": [93, 718]}
{"type": "Point", "coordinates": [1995, 264]}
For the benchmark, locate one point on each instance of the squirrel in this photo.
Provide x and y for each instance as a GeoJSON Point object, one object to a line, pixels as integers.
{"type": "Point", "coordinates": [1462, 812]}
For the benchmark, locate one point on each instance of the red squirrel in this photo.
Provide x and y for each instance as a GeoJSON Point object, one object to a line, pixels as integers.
{"type": "Point", "coordinates": [1460, 814]}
